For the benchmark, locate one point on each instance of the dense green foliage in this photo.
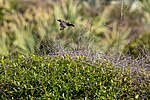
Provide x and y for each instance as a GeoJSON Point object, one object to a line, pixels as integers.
{"type": "Point", "coordinates": [43, 77]}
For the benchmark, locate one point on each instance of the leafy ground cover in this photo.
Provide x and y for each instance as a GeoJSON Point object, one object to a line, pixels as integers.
{"type": "Point", "coordinates": [67, 77]}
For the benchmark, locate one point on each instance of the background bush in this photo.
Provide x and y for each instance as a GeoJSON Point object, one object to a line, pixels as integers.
{"type": "Point", "coordinates": [26, 25]}
{"type": "Point", "coordinates": [139, 46]}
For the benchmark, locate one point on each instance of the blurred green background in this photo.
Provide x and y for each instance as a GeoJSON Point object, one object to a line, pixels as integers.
{"type": "Point", "coordinates": [30, 26]}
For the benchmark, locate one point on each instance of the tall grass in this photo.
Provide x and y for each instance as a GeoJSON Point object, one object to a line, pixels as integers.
{"type": "Point", "coordinates": [26, 29]}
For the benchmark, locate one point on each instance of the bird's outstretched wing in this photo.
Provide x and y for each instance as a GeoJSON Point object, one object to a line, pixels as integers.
{"type": "Point", "coordinates": [69, 24]}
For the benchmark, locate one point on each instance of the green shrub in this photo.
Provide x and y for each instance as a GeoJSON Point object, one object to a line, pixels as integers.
{"type": "Point", "coordinates": [137, 46]}
{"type": "Point", "coordinates": [43, 77]}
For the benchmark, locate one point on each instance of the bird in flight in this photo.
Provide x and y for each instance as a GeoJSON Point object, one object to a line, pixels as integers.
{"type": "Point", "coordinates": [63, 24]}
